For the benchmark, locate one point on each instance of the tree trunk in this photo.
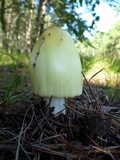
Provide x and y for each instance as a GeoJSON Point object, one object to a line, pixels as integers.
{"type": "Point", "coordinates": [29, 27]}
{"type": "Point", "coordinates": [3, 24]}
{"type": "Point", "coordinates": [40, 17]}
{"type": "Point", "coordinates": [2, 16]}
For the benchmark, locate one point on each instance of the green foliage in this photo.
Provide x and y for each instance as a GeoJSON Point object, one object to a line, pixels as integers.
{"type": "Point", "coordinates": [11, 93]}
{"type": "Point", "coordinates": [108, 43]}
{"type": "Point", "coordinates": [11, 81]}
{"type": "Point", "coordinates": [87, 62]}
{"type": "Point", "coordinates": [14, 59]}
{"type": "Point", "coordinates": [66, 13]}
{"type": "Point", "coordinates": [22, 22]}
{"type": "Point", "coordinates": [116, 65]}
{"type": "Point", "coordinates": [101, 61]}
{"type": "Point", "coordinates": [114, 62]}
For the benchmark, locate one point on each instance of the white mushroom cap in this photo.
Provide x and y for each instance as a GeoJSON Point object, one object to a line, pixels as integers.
{"type": "Point", "coordinates": [55, 66]}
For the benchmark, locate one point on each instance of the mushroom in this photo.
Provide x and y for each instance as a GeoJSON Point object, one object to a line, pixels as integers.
{"type": "Point", "coordinates": [55, 68]}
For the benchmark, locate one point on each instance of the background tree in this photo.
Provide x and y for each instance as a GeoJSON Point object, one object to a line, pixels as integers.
{"type": "Point", "coordinates": [108, 43]}
{"type": "Point", "coordinates": [105, 47]}
{"type": "Point", "coordinates": [23, 21]}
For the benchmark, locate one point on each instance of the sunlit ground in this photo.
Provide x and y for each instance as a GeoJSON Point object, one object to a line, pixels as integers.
{"type": "Point", "coordinates": [101, 74]}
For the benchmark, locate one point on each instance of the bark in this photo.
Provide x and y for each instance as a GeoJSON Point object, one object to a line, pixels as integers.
{"type": "Point", "coordinates": [11, 18]}
{"type": "Point", "coordinates": [29, 27]}
{"type": "Point", "coordinates": [3, 24]}
{"type": "Point", "coordinates": [17, 30]}
{"type": "Point", "coordinates": [2, 16]}
{"type": "Point", "coordinates": [40, 17]}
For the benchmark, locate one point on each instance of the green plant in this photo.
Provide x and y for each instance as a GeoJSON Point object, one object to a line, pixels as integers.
{"type": "Point", "coordinates": [87, 62]}
{"type": "Point", "coordinates": [14, 58]}
{"type": "Point", "coordinates": [12, 91]}
{"type": "Point", "coordinates": [11, 75]}
{"type": "Point", "coordinates": [115, 64]}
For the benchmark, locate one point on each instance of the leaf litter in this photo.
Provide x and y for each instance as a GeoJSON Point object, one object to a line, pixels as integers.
{"type": "Point", "coordinates": [89, 131]}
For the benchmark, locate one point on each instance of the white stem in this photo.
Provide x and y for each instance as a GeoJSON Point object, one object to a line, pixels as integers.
{"type": "Point", "coordinates": [58, 103]}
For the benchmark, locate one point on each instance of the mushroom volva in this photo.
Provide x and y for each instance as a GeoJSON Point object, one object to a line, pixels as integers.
{"type": "Point", "coordinates": [55, 68]}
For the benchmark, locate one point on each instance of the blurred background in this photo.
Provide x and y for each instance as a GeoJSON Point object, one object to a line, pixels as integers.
{"type": "Point", "coordinates": [93, 24]}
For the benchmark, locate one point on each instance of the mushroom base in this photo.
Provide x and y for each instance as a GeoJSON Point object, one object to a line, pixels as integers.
{"type": "Point", "coordinates": [58, 103]}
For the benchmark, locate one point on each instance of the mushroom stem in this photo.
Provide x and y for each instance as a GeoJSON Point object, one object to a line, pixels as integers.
{"type": "Point", "coordinates": [58, 103]}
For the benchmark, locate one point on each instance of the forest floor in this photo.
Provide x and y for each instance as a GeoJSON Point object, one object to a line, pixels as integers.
{"type": "Point", "coordinates": [29, 131]}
